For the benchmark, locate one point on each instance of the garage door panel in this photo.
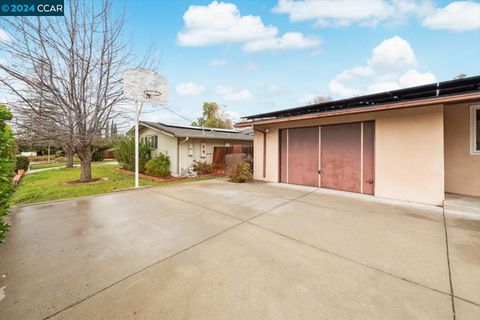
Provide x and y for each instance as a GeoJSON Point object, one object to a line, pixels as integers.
{"type": "Point", "coordinates": [303, 156]}
{"type": "Point", "coordinates": [341, 157]}
{"type": "Point", "coordinates": [283, 155]}
{"type": "Point", "coordinates": [369, 157]}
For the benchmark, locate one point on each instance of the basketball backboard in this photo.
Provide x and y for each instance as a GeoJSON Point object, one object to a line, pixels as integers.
{"type": "Point", "coordinates": [144, 85]}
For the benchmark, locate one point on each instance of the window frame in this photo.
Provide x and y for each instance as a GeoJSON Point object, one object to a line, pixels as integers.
{"type": "Point", "coordinates": [154, 141]}
{"type": "Point", "coordinates": [473, 129]}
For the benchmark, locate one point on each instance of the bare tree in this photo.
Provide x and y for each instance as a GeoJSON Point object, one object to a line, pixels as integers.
{"type": "Point", "coordinates": [320, 99]}
{"type": "Point", "coordinates": [33, 129]}
{"type": "Point", "coordinates": [67, 73]}
{"type": "Point", "coordinates": [460, 76]}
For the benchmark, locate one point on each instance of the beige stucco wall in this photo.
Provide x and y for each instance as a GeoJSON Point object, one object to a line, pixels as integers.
{"type": "Point", "coordinates": [186, 160]}
{"type": "Point", "coordinates": [408, 152]}
{"type": "Point", "coordinates": [166, 144]}
{"type": "Point", "coordinates": [462, 169]}
{"type": "Point", "coordinates": [409, 160]}
{"type": "Point", "coordinates": [272, 156]}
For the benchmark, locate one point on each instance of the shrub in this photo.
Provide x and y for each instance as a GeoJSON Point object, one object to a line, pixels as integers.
{"type": "Point", "coordinates": [7, 165]}
{"type": "Point", "coordinates": [40, 158]}
{"type": "Point", "coordinates": [231, 162]}
{"type": "Point", "coordinates": [99, 154]}
{"type": "Point", "coordinates": [22, 162]}
{"type": "Point", "coordinates": [60, 159]}
{"type": "Point", "coordinates": [202, 167]}
{"type": "Point", "coordinates": [158, 166]}
{"type": "Point", "coordinates": [125, 153]}
{"type": "Point", "coordinates": [59, 153]}
{"type": "Point", "coordinates": [241, 173]}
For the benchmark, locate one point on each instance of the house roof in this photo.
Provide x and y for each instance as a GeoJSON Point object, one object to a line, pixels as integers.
{"type": "Point", "coordinates": [199, 132]}
{"type": "Point", "coordinates": [442, 92]}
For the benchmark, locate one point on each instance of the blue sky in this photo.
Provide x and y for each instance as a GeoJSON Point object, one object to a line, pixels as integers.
{"type": "Point", "coordinates": [258, 56]}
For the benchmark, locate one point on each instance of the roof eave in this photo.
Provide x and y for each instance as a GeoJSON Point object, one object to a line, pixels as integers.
{"type": "Point", "coordinates": [171, 134]}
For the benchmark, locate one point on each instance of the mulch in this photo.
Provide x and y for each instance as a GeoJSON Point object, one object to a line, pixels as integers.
{"type": "Point", "coordinates": [168, 179]}
{"type": "Point", "coordinates": [77, 182]}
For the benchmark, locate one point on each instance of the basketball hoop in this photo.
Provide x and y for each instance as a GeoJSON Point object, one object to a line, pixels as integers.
{"type": "Point", "coordinates": [146, 86]}
{"type": "Point", "coordinates": [151, 93]}
{"type": "Point", "coordinates": [143, 86]}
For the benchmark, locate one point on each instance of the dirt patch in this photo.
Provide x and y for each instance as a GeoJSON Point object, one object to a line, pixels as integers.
{"type": "Point", "coordinates": [78, 182]}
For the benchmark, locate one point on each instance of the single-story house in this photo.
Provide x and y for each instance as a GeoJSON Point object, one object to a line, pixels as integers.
{"type": "Point", "coordinates": [413, 144]}
{"type": "Point", "coordinates": [186, 144]}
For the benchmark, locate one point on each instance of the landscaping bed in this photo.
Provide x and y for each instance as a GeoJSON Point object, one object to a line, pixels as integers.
{"type": "Point", "coordinates": [168, 179]}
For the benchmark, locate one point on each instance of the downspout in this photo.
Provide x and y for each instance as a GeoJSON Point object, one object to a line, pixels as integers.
{"type": "Point", "coordinates": [264, 150]}
{"type": "Point", "coordinates": [178, 154]}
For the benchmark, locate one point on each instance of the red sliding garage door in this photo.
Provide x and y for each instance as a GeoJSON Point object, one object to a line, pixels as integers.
{"type": "Point", "coordinates": [341, 152]}
{"type": "Point", "coordinates": [339, 157]}
{"type": "Point", "coordinates": [299, 156]}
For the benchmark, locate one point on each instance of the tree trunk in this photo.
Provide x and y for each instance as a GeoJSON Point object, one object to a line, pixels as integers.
{"type": "Point", "coordinates": [85, 156]}
{"type": "Point", "coordinates": [69, 155]}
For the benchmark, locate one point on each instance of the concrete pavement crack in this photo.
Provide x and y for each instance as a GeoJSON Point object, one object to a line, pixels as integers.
{"type": "Point", "coordinates": [448, 263]}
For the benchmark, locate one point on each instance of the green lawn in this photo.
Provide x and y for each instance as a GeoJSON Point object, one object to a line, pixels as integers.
{"type": "Point", "coordinates": [58, 164]}
{"type": "Point", "coordinates": [49, 185]}
{"type": "Point", "coordinates": [49, 165]}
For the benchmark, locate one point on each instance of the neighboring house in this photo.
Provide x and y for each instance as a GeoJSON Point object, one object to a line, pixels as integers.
{"type": "Point", "coordinates": [412, 144]}
{"type": "Point", "coordinates": [185, 144]}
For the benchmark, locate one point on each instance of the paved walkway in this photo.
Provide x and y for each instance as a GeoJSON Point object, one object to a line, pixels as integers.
{"type": "Point", "coordinates": [216, 250]}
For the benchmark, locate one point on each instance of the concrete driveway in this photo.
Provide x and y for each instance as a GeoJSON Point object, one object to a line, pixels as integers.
{"type": "Point", "coordinates": [216, 250]}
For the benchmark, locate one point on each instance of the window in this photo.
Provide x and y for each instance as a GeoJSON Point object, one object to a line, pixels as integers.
{"type": "Point", "coordinates": [152, 142]}
{"type": "Point", "coordinates": [475, 129]}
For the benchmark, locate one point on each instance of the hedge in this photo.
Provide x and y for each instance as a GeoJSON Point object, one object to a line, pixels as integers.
{"type": "Point", "coordinates": [7, 166]}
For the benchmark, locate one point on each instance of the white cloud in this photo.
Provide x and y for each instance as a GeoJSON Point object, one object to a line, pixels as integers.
{"type": "Point", "coordinates": [290, 40]}
{"type": "Point", "coordinates": [234, 115]}
{"type": "Point", "coordinates": [413, 78]}
{"type": "Point", "coordinates": [231, 94]}
{"type": "Point", "coordinates": [189, 89]}
{"type": "Point", "coordinates": [337, 12]}
{"type": "Point", "coordinates": [457, 16]}
{"type": "Point", "coordinates": [393, 53]}
{"type": "Point", "coordinates": [391, 66]}
{"type": "Point", "coordinates": [357, 71]}
{"type": "Point", "coordinates": [339, 89]}
{"type": "Point", "coordinates": [383, 86]}
{"type": "Point", "coordinates": [217, 63]}
{"type": "Point", "coordinates": [221, 22]}
{"type": "Point", "coordinates": [5, 37]}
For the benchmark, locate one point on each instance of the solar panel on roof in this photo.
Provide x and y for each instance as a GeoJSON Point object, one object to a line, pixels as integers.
{"type": "Point", "coordinates": [441, 89]}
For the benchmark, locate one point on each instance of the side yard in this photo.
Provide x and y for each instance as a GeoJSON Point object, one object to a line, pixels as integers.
{"type": "Point", "coordinates": [50, 185]}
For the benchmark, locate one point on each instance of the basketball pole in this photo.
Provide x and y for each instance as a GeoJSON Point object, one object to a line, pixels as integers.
{"type": "Point", "coordinates": [138, 108]}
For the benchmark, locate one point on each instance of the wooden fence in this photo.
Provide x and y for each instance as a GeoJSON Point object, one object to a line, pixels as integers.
{"type": "Point", "coordinates": [226, 157]}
